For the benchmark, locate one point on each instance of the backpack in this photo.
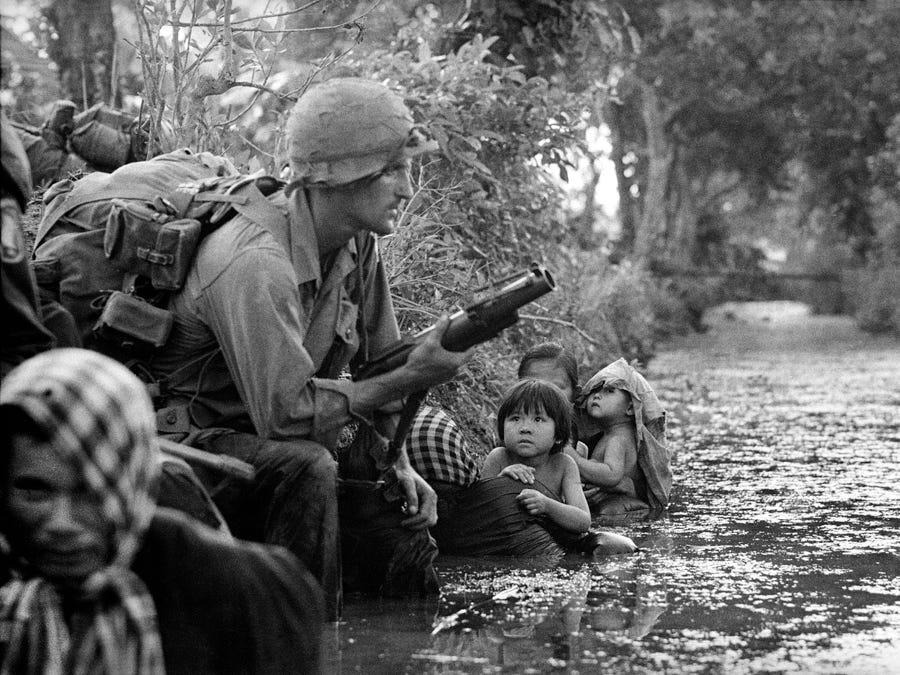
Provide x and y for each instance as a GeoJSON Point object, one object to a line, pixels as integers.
{"type": "Point", "coordinates": [111, 248]}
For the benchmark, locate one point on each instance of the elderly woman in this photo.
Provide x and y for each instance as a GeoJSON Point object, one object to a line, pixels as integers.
{"type": "Point", "coordinates": [97, 579]}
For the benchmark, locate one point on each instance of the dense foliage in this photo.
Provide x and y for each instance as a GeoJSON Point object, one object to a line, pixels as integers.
{"type": "Point", "coordinates": [487, 207]}
{"type": "Point", "coordinates": [762, 119]}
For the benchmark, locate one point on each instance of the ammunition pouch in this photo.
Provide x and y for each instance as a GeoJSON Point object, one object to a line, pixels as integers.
{"type": "Point", "coordinates": [133, 325]}
{"type": "Point", "coordinates": [142, 241]}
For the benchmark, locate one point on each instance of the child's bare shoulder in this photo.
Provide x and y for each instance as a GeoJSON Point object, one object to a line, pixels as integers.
{"type": "Point", "coordinates": [561, 461]}
{"type": "Point", "coordinates": [623, 436]}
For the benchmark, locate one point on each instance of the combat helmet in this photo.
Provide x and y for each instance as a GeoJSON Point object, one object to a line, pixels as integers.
{"type": "Point", "coordinates": [348, 128]}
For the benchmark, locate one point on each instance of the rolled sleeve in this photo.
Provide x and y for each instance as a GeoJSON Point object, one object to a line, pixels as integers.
{"type": "Point", "coordinates": [330, 389]}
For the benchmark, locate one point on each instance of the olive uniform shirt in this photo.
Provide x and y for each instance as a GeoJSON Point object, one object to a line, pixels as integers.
{"type": "Point", "coordinates": [261, 332]}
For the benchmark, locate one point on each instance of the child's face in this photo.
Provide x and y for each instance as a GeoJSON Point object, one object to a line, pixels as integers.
{"type": "Point", "coordinates": [608, 403]}
{"type": "Point", "coordinates": [529, 434]}
{"type": "Point", "coordinates": [550, 371]}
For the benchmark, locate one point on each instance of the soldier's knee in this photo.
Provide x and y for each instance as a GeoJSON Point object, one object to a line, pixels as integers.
{"type": "Point", "coordinates": [307, 459]}
{"type": "Point", "coordinates": [323, 465]}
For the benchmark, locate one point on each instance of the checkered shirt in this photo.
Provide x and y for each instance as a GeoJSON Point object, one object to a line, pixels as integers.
{"type": "Point", "coordinates": [438, 450]}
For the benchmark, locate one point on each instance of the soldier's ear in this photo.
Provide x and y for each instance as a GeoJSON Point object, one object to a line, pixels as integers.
{"type": "Point", "coordinates": [630, 410]}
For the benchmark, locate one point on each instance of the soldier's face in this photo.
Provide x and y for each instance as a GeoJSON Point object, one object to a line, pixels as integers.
{"type": "Point", "coordinates": [374, 204]}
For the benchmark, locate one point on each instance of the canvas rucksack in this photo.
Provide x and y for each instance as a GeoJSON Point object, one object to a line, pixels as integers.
{"type": "Point", "coordinates": [111, 248]}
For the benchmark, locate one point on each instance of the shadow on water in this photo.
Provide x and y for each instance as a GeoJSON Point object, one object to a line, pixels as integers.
{"type": "Point", "coordinates": [780, 552]}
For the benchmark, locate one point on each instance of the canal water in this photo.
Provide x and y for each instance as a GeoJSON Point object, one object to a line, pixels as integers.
{"type": "Point", "coordinates": [780, 552]}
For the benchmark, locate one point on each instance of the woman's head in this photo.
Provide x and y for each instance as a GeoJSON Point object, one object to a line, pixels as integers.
{"type": "Point", "coordinates": [536, 398]}
{"type": "Point", "coordinates": [552, 363]}
{"type": "Point", "coordinates": [80, 463]}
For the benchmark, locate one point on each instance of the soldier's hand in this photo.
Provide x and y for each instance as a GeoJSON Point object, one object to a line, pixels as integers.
{"type": "Point", "coordinates": [421, 499]}
{"type": "Point", "coordinates": [430, 363]}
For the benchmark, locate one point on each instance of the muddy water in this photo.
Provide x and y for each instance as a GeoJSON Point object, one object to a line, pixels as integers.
{"type": "Point", "coordinates": [780, 552]}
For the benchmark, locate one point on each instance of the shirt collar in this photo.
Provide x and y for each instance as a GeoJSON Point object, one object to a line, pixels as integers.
{"type": "Point", "coordinates": [302, 245]}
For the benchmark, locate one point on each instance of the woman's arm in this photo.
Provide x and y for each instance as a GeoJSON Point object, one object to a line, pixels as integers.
{"type": "Point", "coordinates": [494, 463]}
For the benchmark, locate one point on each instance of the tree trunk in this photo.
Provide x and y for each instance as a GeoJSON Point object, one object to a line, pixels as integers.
{"type": "Point", "coordinates": [586, 236]}
{"type": "Point", "coordinates": [627, 202]}
{"type": "Point", "coordinates": [682, 220]}
{"type": "Point", "coordinates": [652, 224]}
{"type": "Point", "coordinates": [82, 48]}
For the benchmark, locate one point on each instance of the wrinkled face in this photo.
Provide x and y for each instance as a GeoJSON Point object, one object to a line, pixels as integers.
{"type": "Point", "coordinates": [54, 522]}
{"type": "Point", "coordinates": [374, 204]}
{"type": "Point", "coordinates": [529, 434]}
{"type": "Point", "coordinates": [608, 403]}
{"type": "Point", "coordinates": [550, 371]}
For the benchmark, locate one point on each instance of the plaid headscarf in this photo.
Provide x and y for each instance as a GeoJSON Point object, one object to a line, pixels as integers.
{"type": "Point", "coordinates": [649, 421]}
{"type": "Point", "coordinates": [99, 417]}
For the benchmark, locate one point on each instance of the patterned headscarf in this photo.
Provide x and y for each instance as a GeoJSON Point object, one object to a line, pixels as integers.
{"type": "Point", "coordinates": [649, 420]}
{"type": "Point", "coordinates": [98, 416]}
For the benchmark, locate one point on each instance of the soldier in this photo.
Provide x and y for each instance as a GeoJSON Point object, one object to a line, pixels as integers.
{"type": "Point", "coordinates": [100, 138]}
{"type": "Point", "coordinates": [24, 332]}
{"type": "Point", "coordinates": [270, 318]}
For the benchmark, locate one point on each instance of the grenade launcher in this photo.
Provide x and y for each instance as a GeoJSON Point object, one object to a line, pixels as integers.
{"type": "Point", "coordinates": [473, 325]}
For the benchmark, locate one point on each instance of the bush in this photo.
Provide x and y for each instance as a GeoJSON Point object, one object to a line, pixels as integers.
{"type": "Point", "coordinates": [619, 302]}
{"type": "Point", "coordinates": [680, 303]}
{"type": "Point", "coordinates": [873, 292]}
{"type": "Point", "coordinates": [486, 207]}
{"type": "Point", "coordinates": [826, 255]}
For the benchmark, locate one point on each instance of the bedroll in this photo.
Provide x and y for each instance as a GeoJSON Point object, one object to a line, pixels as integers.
{"type": "Point", "coordinates": [111, 247]}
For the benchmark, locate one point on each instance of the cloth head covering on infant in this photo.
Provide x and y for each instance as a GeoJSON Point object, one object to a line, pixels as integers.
{"type": "Point", "coordinates": [649, 421]}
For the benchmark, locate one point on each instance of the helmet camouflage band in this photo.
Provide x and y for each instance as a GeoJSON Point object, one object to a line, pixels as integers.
{"type": "Point", "coordinates": [347, 128]}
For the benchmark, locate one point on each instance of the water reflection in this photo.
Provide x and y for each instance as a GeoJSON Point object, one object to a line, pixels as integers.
{"type": "Point", "coordinates": [779, 554]}
{"type": "Point", "coordinates": [546, 616]}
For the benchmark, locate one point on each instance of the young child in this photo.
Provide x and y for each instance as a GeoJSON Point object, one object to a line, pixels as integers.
{"type": "Point", "coordinates": [630, 458]}
{"type": "Point", "coordinates": [551, 362]}
{"type": "Point", "coordinates": [534, 422]}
